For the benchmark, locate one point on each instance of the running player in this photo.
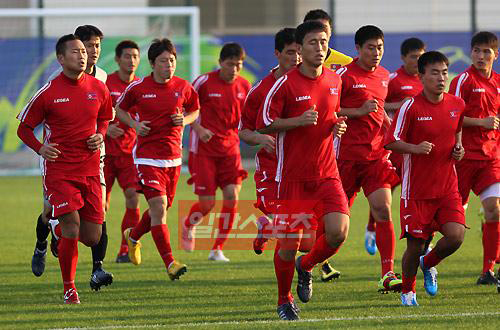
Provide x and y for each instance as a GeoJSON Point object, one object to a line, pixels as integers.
{"type": "Point", "coordinates": [427, 131]}
{"type": "Point", "coordinates": [75, 109]}
{"type": "Point", "coordinates": [479, 87]}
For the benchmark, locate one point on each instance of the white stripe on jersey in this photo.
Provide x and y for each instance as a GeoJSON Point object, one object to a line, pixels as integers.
{"type": "Point", "coordinates": [341, 71]}
{"type": "Point", "coordinates": [269, 96]}
{"type": "Point", "coordinates": [400, 122]}
{"type": "Point", "coordinates": [132, 84]}
{"type": "Point", "coordinates": [336, 144]}
{"type": "Point", "coordinates": [405, 182]}
{"type": "Point", "coordinates": [280, 155]}
{"type": "Point", "coordinates": [193, 137]}
{"type": "Point", "coordinates": [393, 75]}
{"type": "Point", "coordinates": [26, 109]}
{"type": "Point", "coordinates": [257, 163]}
{"type": "Point", "coordinates": [463, 77]}
{"type": "Point", "coordinates": [252, 89]}
{"type": "Point", "coordinates": [199, 81]}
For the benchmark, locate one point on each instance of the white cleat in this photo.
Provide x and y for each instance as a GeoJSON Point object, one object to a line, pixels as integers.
{"type": "Point", "coordinates": [217, 255]}
{"type": "Point", "coordinates": [409, 299]}
{"type": "Point", "coordinates": [187, 240]}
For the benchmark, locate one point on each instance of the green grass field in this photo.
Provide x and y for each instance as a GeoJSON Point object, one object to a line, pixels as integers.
{"type": "Point", "coordinates": [240, 294]}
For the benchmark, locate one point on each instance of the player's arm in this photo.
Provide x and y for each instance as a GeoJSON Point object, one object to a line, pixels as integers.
{"type": "Point", "coordinates": [491, 122]}
{"type": "Point", "coordinates": [106, 113]}
{"type": "Point", "coordinates": [367, 107]}
{"type": "Point", "coordinates": [182, 119]}
{"type": "Point", "coordinates": [308, 117]}
{"type": "Point", "coordinates": [254, 138]}
{"type": "Point", "coordinates": [141, 128]}
{"type": "Point", "coordinates": [399, 146]}
{"type": "Point", "coordinates": [458, 151]}
{"type": "Point", "coordinates": [47, 151]}
{"type": "Point", "coordinates": [394, 106]}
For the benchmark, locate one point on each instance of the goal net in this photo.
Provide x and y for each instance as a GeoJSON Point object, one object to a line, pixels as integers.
{"type": "Point", "coordinates": [27, 59]}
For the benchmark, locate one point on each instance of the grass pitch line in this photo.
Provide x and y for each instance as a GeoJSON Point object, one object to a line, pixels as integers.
{"type": "Point", "coordinates": [361, 318]}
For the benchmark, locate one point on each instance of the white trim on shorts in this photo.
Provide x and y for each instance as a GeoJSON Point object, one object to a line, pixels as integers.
{"type": "Point", "coordinates": [491, 191]}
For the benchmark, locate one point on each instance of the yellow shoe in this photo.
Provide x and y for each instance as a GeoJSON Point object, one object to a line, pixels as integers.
{"type": "Point", "coordinates": [134, 249]}
{"type": "Point", "coordinates": [175, 270]}
{"type": "Point", "coordinates": [327, 272]}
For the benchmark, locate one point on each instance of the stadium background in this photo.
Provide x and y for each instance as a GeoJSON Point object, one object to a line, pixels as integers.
{"type": "Point", "coordinates": [27, 57]}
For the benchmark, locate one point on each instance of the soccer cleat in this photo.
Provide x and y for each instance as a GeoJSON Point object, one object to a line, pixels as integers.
{"type": "Point", "coordinates": [99, 278]}
{"type": "Point", "coordinates": [187, 239]}
{"type": "Point", "coordinates": [487, 278]}
{"type": "Point", "coordinates": [71, 297]}
{"type": "Point", "coordinates": [327, 272]}
{"type": "Point", "coordinates": [370, 242]}
{"type": "Point", "coordinates": [134, 248]}
{"type": "Point", "coordinates": [430, 278]}
{"type": "Point", "coordinates": [390, 282]}
{"type": "Point", "coordinates": [409, 299]}
{"type": "Point", "coordinates": [176, 270]}
{"type": "Point", "coordinates": [304, 282]}
{"type": "Point", "coordinates": [498, 280]}
{"type": "Point", "coordinates": [259, 243]}
{"type": "Point", "coordinates": [122, 258]}
{"type": "Point", "coordinates": [217, 255]}
{"type": "Point", "coordinates": [38, 261]}
{"type": "Point", "coordinates": [54, 241]}
{"type": "Point", "coordinates": [288, 312]}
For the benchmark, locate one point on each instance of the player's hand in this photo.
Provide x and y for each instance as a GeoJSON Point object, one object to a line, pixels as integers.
{"type": "Point", "coordinates": [368, 107]}
{"type": "Point", "coordinates": [114, 131]}
{"type": "Point", "coordinates": [267, 142]}
{"type": "Point", "coordinates": [205, 134]}
{"type": "Point", "coordinates": [95, 141]}
{"type": "Point", "coordinates": [178, 118]}
{"type": "Point", "coordinates": [458, 152]}
{"type": "Point", "coordinates": [423, 148]}
{"type": "Point", "coordinates": [340, 127]}
{"type": "Point", "coordinates": [309, 117]}
{"type": "Point", "coordinates": [142, 128]}
{"type": "Point", "coordinates": [49, 152]}
{"type": "Point", "coordinates": [491, 122]}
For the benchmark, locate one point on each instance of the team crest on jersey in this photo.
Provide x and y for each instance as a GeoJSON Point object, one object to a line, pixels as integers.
{"type": "Point", "coordinates": [177, 94]}
{"type": "Point", "coordinates": [334, 91]}
{"type": "Point", "coordinates": [92, 96]}
{"type": "Point", "coordinates": [454, 114]}
{"type": "Point", "coordinates": [385, 83]}
{"type": "Point", "coordinates": [334, 67]}
{"type": "Point", "coordinates": [240, 95]}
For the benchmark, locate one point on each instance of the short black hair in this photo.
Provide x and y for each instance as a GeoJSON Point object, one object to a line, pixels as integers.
{"type": "Point", "coordinates": [316, 14]}
{"type": "Point", "coordinates": [159, 46]}
{"type": "Point", "coordinates": [85, 32]}
{"type": "Point", "coordinates": [410, 45]}
{"type": "Point", "coordinates": [484, 38]}
{"type": "Point", "coordinates": [431, 58]}
{"type": "Point", "coordinates": [61, 43]}
{"type": "Point", "coordinates": [124, 45]}
{"type": "Point", "coordinates": [230, 50]}
{"type": "Point", "coordinates": [366, 33]}
{"type": "Point", "coordinates": [307, 27]}
{"type": "Point", "coordinates": [283, 38]}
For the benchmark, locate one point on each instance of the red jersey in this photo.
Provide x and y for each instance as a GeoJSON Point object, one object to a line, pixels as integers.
{"type": "Point", "coordinates": [70, 111]}
{"type": "Point", "coordinates": [305, 153]}
{"type": "Point", "coordinates": [402, 85]}
{"type": "Point", "coordinates": [125, 143]}
{"type": "Point", "coordinates": [364, 137]}
{"type": "Point", "coordinates": [482, 99]}
{"type": "Point", "coordinates": [156, 102]}
{"type": "Point", "coordinates": [221, 105]}
{"type": "Point", "coordinates": [265, 162]}
{"type": "Point", "coordinates": [433, 175]}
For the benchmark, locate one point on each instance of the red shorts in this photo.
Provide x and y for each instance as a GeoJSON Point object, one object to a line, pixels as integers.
{"type": "Point", "coordinates": [369, 175]}
{"type": "Point", "coordinates": [302, 203]}
{"type": "Point", "coordinates": [420, 218]}
{"type": "Point", "coordinates": [476, 175]}
{"type": "Point", "coordinates": [397, 162]}
{"type": "Point", "coordinates": [75, 193]}
{"type": "Point", "coordinates": [158, 181]}
{"type": "Point", "coordinates": [209, 173]}
{"type": "Point", "coordinates": [266, 188]}
{"type": "Point", "coordinates": [122, 169]}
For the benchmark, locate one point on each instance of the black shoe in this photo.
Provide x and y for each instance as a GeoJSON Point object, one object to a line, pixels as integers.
{"type": "Point", "coordinates": [327, 272]}
{"type": "Point", "coordinates": [287, 312]}
{"type": "Point", "coordinates": [498, 280]}
{"type": "Point", "coordinates": [99, 278]}
{"type": "Point", "coordinates": [304, 283]}
{"type": "Point", "coordinates": [487, 278]}
{"type": "Point", "coordinates": [54, 241]}
{"type": "Point", "coordinates": [38, 261]}
{"type": "Point", "coordinates": [122, 258]}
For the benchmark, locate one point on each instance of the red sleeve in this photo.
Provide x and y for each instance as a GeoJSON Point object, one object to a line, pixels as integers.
{"type": "Point", "coordinates": [106, 113]}
{"type": "Point", "coordinates": [462, 115]}
{"type": "Point", "coordinates": [273, 105]}
{"type": "Point", "coordinates": [400, 124]}
{"type": "Point", "coordinates": [33, 113]}
{"type": "Point", "coordinates": [126, 101]}
{"type": "Point", "coordinates": [191, 101]}
{"type": "Point", "coordinates": [337, 107]}
{"type": "Point", "coordinates": [345, 90]}
{"type": "Point", "coordinates": [251, 110]}
{"type": "Point", "coordinates": [460, 86]}
{"type": "Point", "coordinates": [27, 135]}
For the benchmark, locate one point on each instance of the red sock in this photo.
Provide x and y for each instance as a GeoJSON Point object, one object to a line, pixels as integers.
{"type": "Point", "coordinates": [491, 244]}
{"type": "Point", "coordinates": [371, 223]}
{"type": "Point", "coordinates": [409, 284]}
{"type": "Point", "coordinates": [161, 236]}
{"type": "Point", "coordinates": [130, 219]}
{"type": "Point", "coordinates": [319, 253]}
{"type": "Point", "coordinates": [195, 216]}
{"type": "Point", "coordinates": [431, 259]}
{"type": "Point", "coordinates": [284, 271]}
{"type": "Point", "coordinates": [143, 227]}
{"type": "Point", "coordinates": [386, 244]}
{"type": "Point", "coordinates": [68, 258]}
{"type": "Point", "coordinates": [225, 224]}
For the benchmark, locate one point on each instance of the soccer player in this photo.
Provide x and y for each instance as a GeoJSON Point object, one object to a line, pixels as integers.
{"type": "Point", "coordinates": [120, 140]}
{"type": "Point", "coordinates": [427, 131]}
{"type": "Point", "coordinates": [91, 37]}
{"type": "Point", "coordinates": [301, 108]}
{"type": "Point", "coordinates": [163, 105]}
{"type": "Point", "coordinates": [479, 171]}
{"type": "Point", "coordinates": [75, 109]}
{"type": "Point", "coordinates": [215, 160]}
{"type": "Point", "coordinates": [360, 151]}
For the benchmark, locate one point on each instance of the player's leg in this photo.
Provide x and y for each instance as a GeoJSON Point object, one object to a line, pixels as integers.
{"type": "Point", "coordinates": [42, 233]}
{"type": "Point", "coordinates": [284, 268]}
{"type": "Point", "coordinates": [325, 269]}
{"type": "Point", "coordinates": [409, 264]}
{"type": "Point", "coordinates": [130, 220]}
{"type": "Point", "coordinates": [370, 235]}
{"type": "Point", "coordinates": [491, 233]}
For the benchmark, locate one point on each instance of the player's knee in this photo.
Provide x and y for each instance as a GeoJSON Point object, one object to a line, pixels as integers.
{"type": "Point", "coordinates": [90, 240]}
{"type": "Point", "coordinates": [288, 254]}
{"type": "Point", "coordinates": [131, 198]}
{"type": "Point", "coordinates": [206, 206]}
{"type": "Point", "coordinates": [381, 211]}
{"type": "Point", "coordinates": [336, 238]}
{"type": "Point", "coordinates": [492, 211]}
{"type": "Point", "coordinates": [456, 239]}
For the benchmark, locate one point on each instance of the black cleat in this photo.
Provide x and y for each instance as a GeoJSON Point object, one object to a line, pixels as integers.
{"type": "Point", "coordinates": [498, 280]}
{"type": "Point", "coordinates": [122, 258]}
{"type": "Point", "coordinates": [287, 312]}
{"type": "Point", "coordinates": [38, 261]}
{"type": "Point", "coordinates": [487, 278]}
{"type": "Point", "coordinates": [99, 278]}
{"type": "Point", "coordinates": [327, 272]}
{"type": "Point", "coordinates": [54, 244]}
{"type": "Point", "coordinates": [304, 283]}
